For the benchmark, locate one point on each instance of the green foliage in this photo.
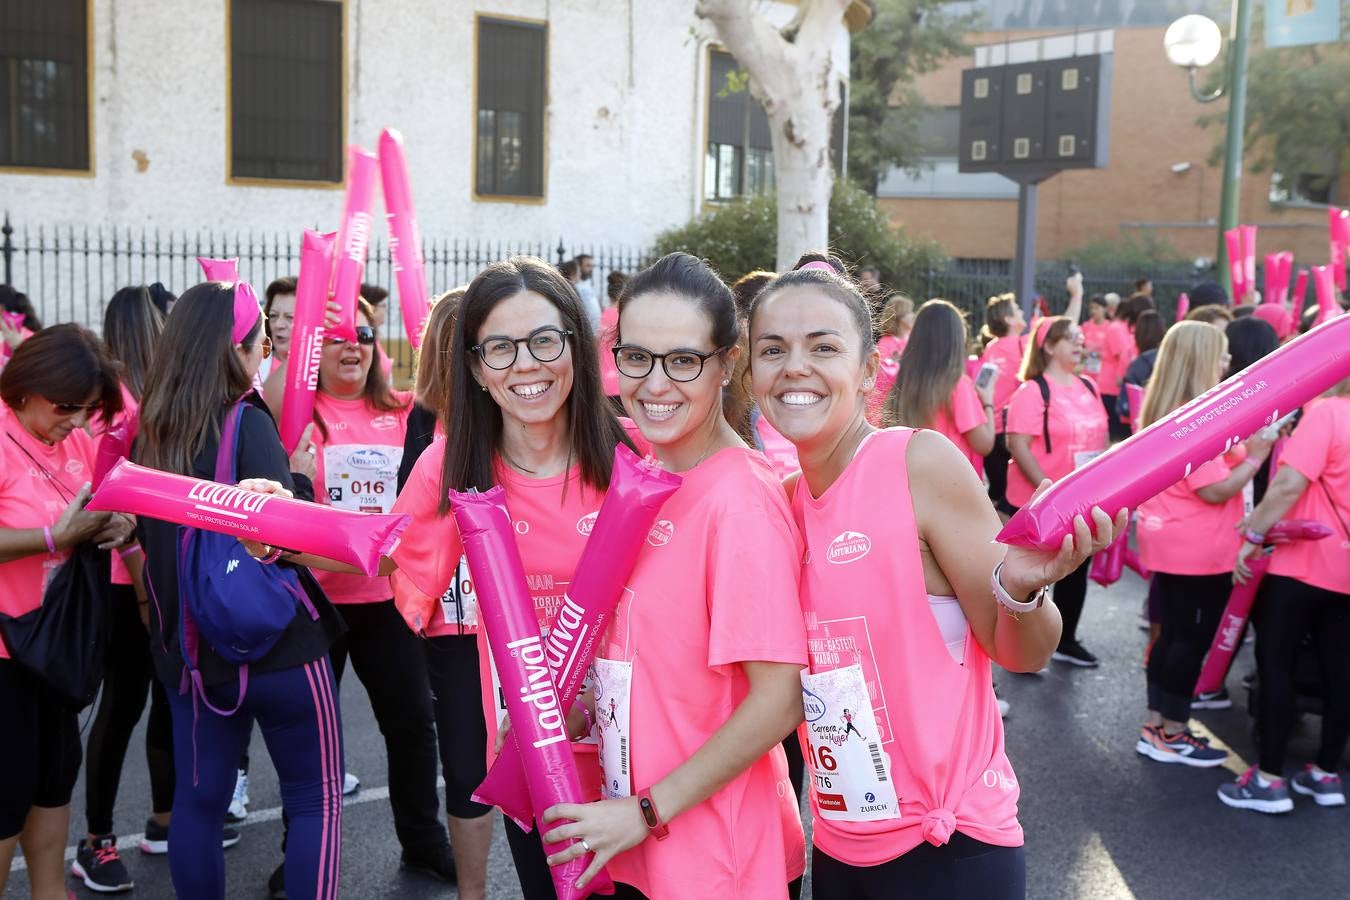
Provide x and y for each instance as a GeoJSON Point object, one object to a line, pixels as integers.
{"type": "Point", "coordinates": [742, 236]}
{"type": "Point", "coordinates": [1141, 252]}
{"type": "Point", "coordinates": [905, 39]}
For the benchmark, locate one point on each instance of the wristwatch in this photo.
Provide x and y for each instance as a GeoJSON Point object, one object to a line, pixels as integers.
{"type": "Point", "coordinates": [1034, 602]}
{"type": "Point", "coordinates": [657, 828]}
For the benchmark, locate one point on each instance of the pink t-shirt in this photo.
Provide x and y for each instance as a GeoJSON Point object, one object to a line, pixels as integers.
{"type": "Point", "coordinates": [30, 499]}
{"type": "Point", "coordinates": [1078, 428]}
{"type": "Point", "coordinates": [778, 450]}
{"type": "Point", "coordinates": [1006, 353]}
{"type": "Point", "coordinates": [358, 470]}
{"type": "Point", "coordinates": [609, 373]}
{"type": "Point", "coordinates": [965, 412]}
{"type": "Point", "coordinates": [1181, 534]}
{"type": "Point", "coordinates": [715, 586]}
{"type": "Point", "coordinates": [937, 720]}
{"type": "Point", "coordinates": [890, 347]}
{"type": "Point", "coordinates": [1319, 450]}
{"type": "Point", "coordinates": [1111, 344]}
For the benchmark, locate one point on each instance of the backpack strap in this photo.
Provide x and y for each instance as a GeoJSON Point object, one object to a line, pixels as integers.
{"type": "Point", "coordinates": [1045, 419]}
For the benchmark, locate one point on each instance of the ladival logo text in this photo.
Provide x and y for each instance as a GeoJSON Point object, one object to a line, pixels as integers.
{"type": "Point", "coordinates": [850, 546]}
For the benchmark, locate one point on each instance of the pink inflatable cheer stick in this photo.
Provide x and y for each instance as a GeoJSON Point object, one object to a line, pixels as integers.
{"type": "Point", "coordinates": [538, 718]}
{"type": "Point", "coordinates": [636, 491]}
{"type": "Point", "coordinates": [1135, 564]}
{"type": "Point", "coordinates": [1327, 307]}
{"type": "Point", "coordinates": [1183, 305]}
{"type": "Point", "coordinates": [1343, 229]}
{"type": "Point", "coordinates": [114, 445]}
{"type": "Point", "coordinates": [1300, 292]}
{"type": "Point", "coordinates": [219, 269]}
{"type": "Point", "coordinates": [1135, 394]}
{"type": "Point", "coordinates": [358, 539]}
{"type": "Point", "coordinates": [311, 309]}
{"type": "Point", "coordinates": [353, 238]}
{"type": "Point", "coordinates": [1285, 259]}
{"type": "Point", "coordinates": [1169, 449]}
{"type": "Point", "coordinates": [1236, 270]}
{"type": "Point", "coordinates": [1248, 261]}
{"type": "Point", "coordinates": [1336, 247]}
{"type": "Point", "coordinates": [1240, 601]}
{"type": "Point", "coordinates": [1108, 565]}
{"type": "Point", "coordinates": [405, 240]}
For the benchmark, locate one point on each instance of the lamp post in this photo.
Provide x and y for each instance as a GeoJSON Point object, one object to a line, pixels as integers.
{"type": "Point", "coordinates": [1193, 42]}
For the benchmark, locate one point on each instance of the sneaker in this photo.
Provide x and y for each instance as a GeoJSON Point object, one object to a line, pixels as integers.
{"type": "Point", "coordinates": [1003, 707]}
{"type": "Point", "coordinates": [100, 868]}
{"type": "Point", "coordinates": [276, 884]}
{"type": "Point", "coordinates": [155, 841]}
{"type": "Point", "coordinates": [350, 784]}
{"type": "Point", "coordinates": [438, 864]}
{"type": "Point", "coordinates": [238, 810]}
{"type": "Point", "coordinates": [1186, 748]}
{"type": "Point", "coordinates": [1212, 700]}
{"type": "Point", "coordinates": [1075, 654]}
{"type": "Point", "coordinates": [1248, 792]}
{"type": "Point", "coordinates": [1325, 789]}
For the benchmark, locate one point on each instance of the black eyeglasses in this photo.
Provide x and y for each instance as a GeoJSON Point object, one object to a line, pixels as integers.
{"type": "Point", "coordinates": [545, 344]}
{"type": "Point", "coordinates": [365, 335]}
{"type": "Point", "coordinates": [679, 365]}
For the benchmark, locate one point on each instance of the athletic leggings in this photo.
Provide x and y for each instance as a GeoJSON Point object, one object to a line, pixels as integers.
{"type": "Point", "coordinates": [996, 470]}
{"type": "Point", "coordinates": [461, 732]}
{"type": "Point", "coordinates": [1070, 592]}
{"type": "Point", "coordinates": [40, 751]}
{"type": "Point", "coordinates": [1191, 608]}
{"type": "Point", "coordinates": [961, 869]}
{"type": "Point", "coordinates": [297, 711]}
{"type": "Point", "coordinates": [628, 892]}
{"type": "Point", "coordinates": [128, 673]}
{"type": "Point", "coordinates": [392, 667]}
{"type": "Point", "coordinates": [1286, 611]}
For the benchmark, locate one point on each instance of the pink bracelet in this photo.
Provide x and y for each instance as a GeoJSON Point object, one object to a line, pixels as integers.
{"type": "Point", "coordinates": [129, 550]}
{"type": "Point", "coordinates": [51, 541]}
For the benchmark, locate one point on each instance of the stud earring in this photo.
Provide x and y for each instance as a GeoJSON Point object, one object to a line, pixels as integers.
{"type": "Point", "coordinates": [868, 384]}
{"type": "Point", "coordinates": [726, 381]}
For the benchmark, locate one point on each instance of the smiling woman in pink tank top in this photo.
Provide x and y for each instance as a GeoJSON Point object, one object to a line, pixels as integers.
{"type": "Point", "coordinates": [911, 792]}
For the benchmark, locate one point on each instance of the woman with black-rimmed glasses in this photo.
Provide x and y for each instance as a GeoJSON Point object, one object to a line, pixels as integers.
{"type": "Point", "coordinates": [524, 410]}
{"type": "Point", "coordinates": [56, 383]}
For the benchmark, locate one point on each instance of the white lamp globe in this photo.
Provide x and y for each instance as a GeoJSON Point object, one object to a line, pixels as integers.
{"type": "Point", "coordinates": [1192, 41]}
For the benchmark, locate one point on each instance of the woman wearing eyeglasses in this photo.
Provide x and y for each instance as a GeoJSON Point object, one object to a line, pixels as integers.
{"type": "Point", "coordinates": [525, 411]}
{"type": "Point", "coordinates": [55, 384]}
{"type": "Point", "coordinates": [696, 681]}
{"type": "Point", "coordinates": [359, 428]}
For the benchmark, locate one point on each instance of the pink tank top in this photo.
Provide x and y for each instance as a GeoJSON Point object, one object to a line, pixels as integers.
{"type": "Point", "coordinates": [865, 603]}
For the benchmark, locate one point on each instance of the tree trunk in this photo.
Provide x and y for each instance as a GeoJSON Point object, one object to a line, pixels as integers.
{"type": "Point", "coordinates": [796, 80]}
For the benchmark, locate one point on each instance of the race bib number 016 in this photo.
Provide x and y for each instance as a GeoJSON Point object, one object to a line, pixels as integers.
{"type": "Point", "coordinates": [850, 773]}
{"type": "Point", "coordinates": [362, 478]}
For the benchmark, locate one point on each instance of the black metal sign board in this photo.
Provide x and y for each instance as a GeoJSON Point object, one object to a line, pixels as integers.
{"type": "Point", "coordinates": [1036, 118]}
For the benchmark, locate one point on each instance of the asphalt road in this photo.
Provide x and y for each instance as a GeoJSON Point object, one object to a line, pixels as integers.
{"type": "Point", "coordinates": [1102, 823]}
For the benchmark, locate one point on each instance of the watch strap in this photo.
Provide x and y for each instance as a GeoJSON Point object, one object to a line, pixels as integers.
{"type": "Point", "coordinates": [655, 825]}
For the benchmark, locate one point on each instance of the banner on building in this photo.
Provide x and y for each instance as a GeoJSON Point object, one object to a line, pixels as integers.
{"type": "Point", "coordinates": [1293, 23]}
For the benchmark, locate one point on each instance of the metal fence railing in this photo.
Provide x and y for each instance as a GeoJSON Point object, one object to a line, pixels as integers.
{"type": "Point", "coordinates": [69, 272]}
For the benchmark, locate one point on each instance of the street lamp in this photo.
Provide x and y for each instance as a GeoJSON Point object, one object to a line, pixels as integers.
{"type": "Point", "coordinates": [1193, 42]}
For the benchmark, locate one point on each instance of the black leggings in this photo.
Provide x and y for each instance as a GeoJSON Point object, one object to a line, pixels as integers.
{"type": "Point", "coordinates": [452, 666]}
{"type": "Point", "coordinates": [628, 892]}
{"type": "Point", "coordinates": [40, 752]}
{"type": "Point", "coordinates": [1070, 592]}
{"type": "Point", "coordinates": [1286, 611]}
{"type": "Point", "coordinates": [996, 470]}
{"type": "Point", "coordinates": [128, 674]}
{"type": "Point", "coordinates": [961, 869]}
{"type": "Point", "coordinates": [392, 667]}
{"type": "Point", "coordinates": [527, 852]}
{"type": "Point", "coordinates": [1191, 608]}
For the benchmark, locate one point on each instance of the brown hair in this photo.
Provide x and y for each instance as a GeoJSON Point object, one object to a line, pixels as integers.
{"type": "Point", "coordinates": [1047, 331]}
{"type": "Point", "coordinates": [1210, 314]}
{"type": "Point", "coordinates": [194, 378]}
{"type": "Point", "coordinates": [431, 384]}
{"type": "Point", "coordinates": [897, 306]}
{"type": "Point", "coordinates": [932, 364]}
{"type": "Point", "coordinates": [132, 325]}
{"type": "Point", "coordinates": [286, 284]}
{"type": "Point", "coordinates": [835, 283]}
{"type": "Point", "coordinates": [63, 364]}
{"type": "Point", "coordinates": [377, 393]}
{"type": "Point", "coordinates": [997, 309]}
{"type": "Point", "coordinates": [747, 287]}
{"type": "Point", "coordinates": [474, 425]}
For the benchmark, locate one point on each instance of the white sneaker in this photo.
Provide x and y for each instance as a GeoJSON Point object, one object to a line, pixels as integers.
{"type": "Point", "coordinates": [1003, 707]}
{"type": "Point", "coordinates": [238, 810]}
{"type": "Point", "coordinates": [350, 784]}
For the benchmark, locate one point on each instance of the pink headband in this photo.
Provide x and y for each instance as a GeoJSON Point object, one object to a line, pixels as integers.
{"type": "Point", "coordinates": [1043, 326]}
{"type": "Point", "coordinates": [817, 264]}
{"type": "Point", "coordinates": [246, 309]}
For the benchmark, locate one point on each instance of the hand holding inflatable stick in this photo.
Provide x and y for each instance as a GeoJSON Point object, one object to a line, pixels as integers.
{"type": "Point", "coordinates": [405, 240]}
{"type": "Point", "coordinates": [636, 491]}
{"type": "Point", "coordinates": [356, 539]}
{"type": "Point", "coordinates": [538, 718]}
{"type": "Point", "coordinates": [1169, 449]}
{"type": "Point", "coordinates": [302, 366]}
